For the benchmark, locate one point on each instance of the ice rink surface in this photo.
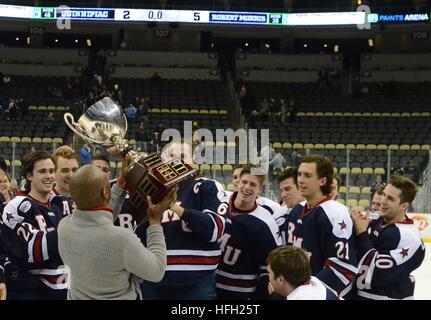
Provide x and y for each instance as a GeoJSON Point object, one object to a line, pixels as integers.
{"type": "Point", "coordinates": [423, 277]}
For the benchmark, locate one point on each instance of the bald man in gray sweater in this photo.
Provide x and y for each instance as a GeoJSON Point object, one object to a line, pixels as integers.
{"type": "Point", "coordinates": [106, 261]}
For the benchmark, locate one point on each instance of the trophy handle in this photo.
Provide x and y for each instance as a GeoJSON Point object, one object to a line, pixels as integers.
{"type": "Point", "coordinates": [75, 127]}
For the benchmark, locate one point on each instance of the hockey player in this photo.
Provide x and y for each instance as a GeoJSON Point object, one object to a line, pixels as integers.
{"type": "Point", "coordinates": [290, 276]}
{"type": "Point", "coordinates": [392, 249]}
{"type": "Point", "coordinates": [66, 164]}
{"type": "Point", "coordinates": [322, 226]}
{"type": "Point", "coordinates": [271, 205]}
{"type": "Point", "coordinates": [30, 223]}
{"type": "Point", "coordinates": [251, 233]}
{"type": "Point", "coordinates": [192, 227]}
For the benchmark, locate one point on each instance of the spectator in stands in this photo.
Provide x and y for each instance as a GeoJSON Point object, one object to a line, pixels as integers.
{"type": "Point", "coordinates": [336, 185]}
{"type": "Point", "coordinates": [7, 192]}
{"type": "Point", "coordinates": [12, 110]}
{"type": "Point", "coordinates": [156, 77]}
{"type": "Point", "coordinates": [117, 94]}
{"type": "Point", "coordinates": [131, 112]}
{"type": "Point", "coordinates": [264, 108]}
{"type": "Point", "coordinates": [292, 109]}
{"type": "Point", "coordinates": [412, 170]}
{"type": "Point", "coordinates": [50, 121]}
{"type": "Point", "coordinates": [365, 91]}
{"type": "Point", "coordinates": [142, 137]}
{"type": "Point", "coordinates": [85, 154]}
{"type": "Point", "coordinates": [144, 109]}
{"type": "Point", "coordinates": [290, 276]}
{"type": "Point", "coordinates": [397, 170]}
{"type": "Point", "coordinates": [378, 182]}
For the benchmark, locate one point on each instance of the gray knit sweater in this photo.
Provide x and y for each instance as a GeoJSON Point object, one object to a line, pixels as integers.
{"type": "Point", "coordinates": [106, 261]}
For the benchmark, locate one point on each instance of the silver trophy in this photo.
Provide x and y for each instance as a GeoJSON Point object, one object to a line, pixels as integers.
{"type": "Point", "coordinates": [105, 125]}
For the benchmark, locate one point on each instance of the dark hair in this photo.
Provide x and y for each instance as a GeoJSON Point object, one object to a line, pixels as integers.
{"type": "Point", "coordinates": [101, 157]}
{"type": "Point", "coordinates": [292, 263]}
{"type": "Point", "coordinates": [3, 164]}
{"type": "Point", "coordinates": [379, 191]}
{"type": "Point", "coordinates": [324, 169]}
{"type": "Point", "coordinates": [408, 188]}
{"type": "Point", "coordinates": [29, 162]}
{"type": "Point", "coordinates": [238, 166]}
{"type": "Point", "coordinates": [291, 172]}
{"type": "Point", "coordinates": [247, 170]}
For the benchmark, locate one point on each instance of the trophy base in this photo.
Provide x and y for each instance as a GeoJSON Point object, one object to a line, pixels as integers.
{"type": "Point", "coordinates": [150, 176]}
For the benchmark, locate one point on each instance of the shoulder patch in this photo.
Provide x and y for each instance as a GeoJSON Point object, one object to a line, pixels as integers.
{"type": "Point", "coordinates": [25, 206]}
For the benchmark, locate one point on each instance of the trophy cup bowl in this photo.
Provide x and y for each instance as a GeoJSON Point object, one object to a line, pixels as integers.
{"type": "Point", "coordinates": [105, 125]}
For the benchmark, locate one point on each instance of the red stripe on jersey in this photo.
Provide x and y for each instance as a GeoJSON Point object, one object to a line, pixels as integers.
{"type": "Point", "coordinates": [192, 260]}
{"type": "Point", "coordinates": [37, 249]}
{"type": "Point", "coordinates": [236, 282]}
{"type": "Point", "coordinates": [347, 273]}
{"type": "Point", "coordinates": [219, 223]}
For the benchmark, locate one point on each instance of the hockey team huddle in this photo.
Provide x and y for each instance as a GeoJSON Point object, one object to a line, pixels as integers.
{"type": "Point", "coordinates": [70, 235]}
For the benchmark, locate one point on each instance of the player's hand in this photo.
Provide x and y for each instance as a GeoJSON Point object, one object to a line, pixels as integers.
{"type": "Point", "coordinates": [3, 291]}
{"type": "Point", "coordinates": [361, 220]}
{"type": "Point", "coordinates": [155, 211]}
{"type": "Point", "coordinates": [125, 166]}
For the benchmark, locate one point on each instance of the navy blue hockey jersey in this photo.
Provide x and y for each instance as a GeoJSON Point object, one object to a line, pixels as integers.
{"type": "Point", "coordinates": [192, 248]}
{"type": "Point", "coordinates": [326, 233]}
{"type": "Point", "coordinates": [387, 257]}
{"type": "Point", "coordinates": [29, 232]}
{"type": "Point", "coordinates": [248, 239]}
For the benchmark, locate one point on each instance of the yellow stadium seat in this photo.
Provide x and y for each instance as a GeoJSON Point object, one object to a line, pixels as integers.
{"type": "Point", "coordinates": [298, 146]}
{"type": "Point", "coordinates": [360, 146]}
{"type": "Point", "coordinates": [347, 114]}
{"type": "Point", "coordinates": [222, 112]}
{"type": "Point", "coordinates": [425, 147]}
{"type": "Point", "coordinates": [364, 203]}
{"type": "Point", "coordinates": [308, 146]}
{"type": "Point", "coordinates": [366, 190]}
{"type": "Point", "coordinates": [425, 114]}
{"type": "Point", "coordinates": [328, 114]}
{"type": "Point", "coordinates": [60, 108]}
{"type": "Point", "coordinates": [395, 114]}
{"type": "Point", "coordinates": [366, 114]}
{"type": "Point", "coordinates": [382, 147]}
{"type": "Point", "coordinates": [415, 147]}
{"type": "Point", "coordinates": [194, 111]}
{"type": "Point", "coordinates": [343, 189]}
{"type": "Point", "coordinates": [175, 110]}
{"type": "Point", "coordinates": [404, 147]}
{"type": "Point", "coordinates": [338, 114]}
{"type": "Point", "coordinates": [113, 164]}
{"type": "Point", "coordinates": [57, 140]}
{"type": "Point", "coordinates": [51, 108]}
{"type": "Point", "coordinates": [352, 203]}
{"type": "Point", "coordinates": [4, 139]}
{"type": "Point", "coordinates": [330, 146]}
{"type": "Point", "coordinates": [310, 114]}
{"type": "Point", "coordinates": [357, 114]}
{"type": "Point", "coordinates": [319, 146]}
{"type": "Point", "coordinates": [340, 146]}
{"type": "Point", "coordinates": [216, 167]}
{"type": "Point", "coordinates": [415, 114]}
{"type": "Point", "coordinates": [185, 111]}
{"type": "Point", "coordinates": [379, 171]}
{"type": "Point", "coordinates": [376, 114]}
{"type": "Point", "coordinates": [367, 170]}
{"type": "Point", "coordinates": [15, 139]}
{"type": "Point", "coordinates": [26, 140]}
{"type": "Point", "coordinates": [17, 163]}
{"type": "Point", "coordinates": [213, 112]}
{"type": "Point", "coordinates": [165, 110]}
{"type": "Point", "coordinates": [335, 170]}
{"type": "Point", "coordinates": [301, 114]}
{"type": "Point", "coordinates": [227, 168]}
{"type": "Point", "coordinates": [37, 140]}
{"type": "Point", "coordinates": [119, 165]}
{"type": "Point", "coordinates": [356, 170]}
{"type": "Point", "coordinates": [386, 114]}
{"type": "Point", "coordinates": [277, 145]}
{"type": "Point", "coordinates": [41, 108]}
{"type": "Point", "coordinates": [405, 114]}
{"type": "Point", "coordinates": [393, 147]}
{"type": "Point", "coordinates": [32, 108]}
{"type": "Point", "coordinates": [46, 140]}
{"type": "Point", "coordinates": [287, 145]}
{"type": "Point", "coordinates": [319, 114]}
{"type": "Point", "coordinates": [155, 110]}
{"type": "Point", "coordinates": [371, 147]}
{"type": "Point", "coordinates": [344, 170]}
{"type": "Point", "coordinates": [7, 162]}
{"type": "Point", "coordinates": [354, 190]}
{"type": "Point", "coordinates": [132, 142]}
{"type": "Point", "coordinates": [204, 111]}
{"type": "Point", "coordinates": [350, 146]}
{"type": "Point", "coordinates": [341, 201]}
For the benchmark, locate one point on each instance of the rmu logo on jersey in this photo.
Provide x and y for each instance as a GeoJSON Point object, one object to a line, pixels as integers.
{"type": "Point", "coordinates": [230, 256]}
{"type": "Point", "coordinates": [291, 238]}
{"type": "Point", "coordinates": [196, 187]}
